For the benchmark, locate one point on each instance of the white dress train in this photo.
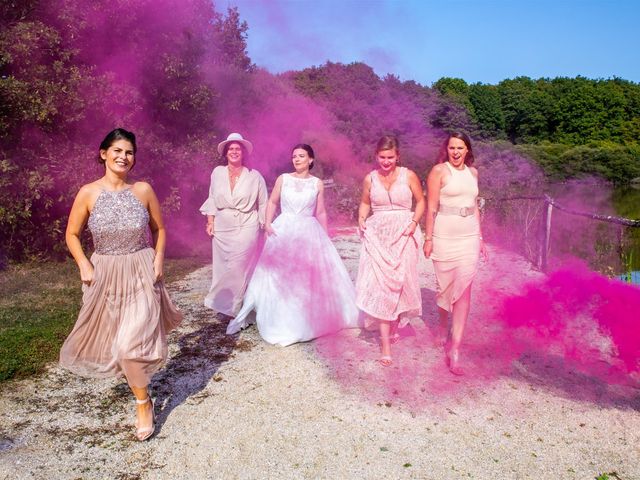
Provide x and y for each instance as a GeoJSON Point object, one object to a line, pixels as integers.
{"type": "Point", "coordinates": [300, 288]}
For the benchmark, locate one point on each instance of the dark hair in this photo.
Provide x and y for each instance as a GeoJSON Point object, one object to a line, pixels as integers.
{"type": "Point", "coordinates": [443, 156]}
{"type": "Point", "coordinates": [388, 142]}
{"type": "Point", "coordinates": [246, 157]}
{"type": "Point", "coordinates": [115, 135]}
{"type": "Point", "coordinates": [308, 149]}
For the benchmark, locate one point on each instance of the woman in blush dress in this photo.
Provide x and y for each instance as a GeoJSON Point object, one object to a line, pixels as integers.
{"type": "Point", "coordinates": [235, 211]}
{"type": "Point", "coordinates": [126, 311]}
{"type": "Point", "coordinates": [300, 289]}
{"type": "Point", "coordinates": [387, 286]}
{"type": "Point", "coordinates": [453, 237]}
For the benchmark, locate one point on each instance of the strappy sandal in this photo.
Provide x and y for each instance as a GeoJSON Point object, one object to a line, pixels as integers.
{"type": "Point", "coordinates": [145, 433]}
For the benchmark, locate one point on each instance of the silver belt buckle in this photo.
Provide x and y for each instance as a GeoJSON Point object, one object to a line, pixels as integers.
{"type": "Point", "coordinates": [464, 212]}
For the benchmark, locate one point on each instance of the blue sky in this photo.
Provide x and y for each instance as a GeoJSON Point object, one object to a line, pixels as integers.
{"type": "Point", "coordinates": [480, 41]}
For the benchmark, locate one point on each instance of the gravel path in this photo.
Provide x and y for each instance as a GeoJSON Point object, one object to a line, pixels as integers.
{"type": "Point", "coordinates": [235, 407]}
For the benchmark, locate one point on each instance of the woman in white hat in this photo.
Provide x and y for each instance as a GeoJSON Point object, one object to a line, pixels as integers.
{"type": "Point", "coordinates": [235, 213]}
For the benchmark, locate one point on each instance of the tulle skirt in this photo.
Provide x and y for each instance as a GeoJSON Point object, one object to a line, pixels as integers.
{"type": "Point", "coordinates": [300, 288]}
{"type": "Point", "coordinates": [123, 322]}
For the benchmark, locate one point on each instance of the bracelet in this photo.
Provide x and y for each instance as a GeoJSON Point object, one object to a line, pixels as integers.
{"type": "Point", "coordinates": [414, 221]}
{"type": "Point", "coordinates": [428, 239]}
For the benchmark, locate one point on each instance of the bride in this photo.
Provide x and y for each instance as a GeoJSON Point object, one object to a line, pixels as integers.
{"type": "Point", "coordinates": [300, 288]}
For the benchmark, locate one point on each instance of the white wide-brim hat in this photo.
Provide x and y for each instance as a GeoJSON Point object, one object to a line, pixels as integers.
{"type": "Point", "coordinates": [235, 137]}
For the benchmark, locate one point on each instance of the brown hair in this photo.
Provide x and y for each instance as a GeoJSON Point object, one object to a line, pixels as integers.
{"type": "Point", "coordinates": [246, 157]}
{"type": "Point", "coordinates": [112, 137]}
{"type": "Point", "coordinates": [443, 156]}
{"type": "Point", "coordinates": [388, 142]}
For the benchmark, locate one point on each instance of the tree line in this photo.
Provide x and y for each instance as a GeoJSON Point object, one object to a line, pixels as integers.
{"type": "Point", "coordinates": [178, 74]}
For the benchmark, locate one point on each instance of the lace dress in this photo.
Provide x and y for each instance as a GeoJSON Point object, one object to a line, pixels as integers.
{"type": "Point", "coordinates": [125, 316]}
{"type": "Point", "coordinates": [300, 288]}
{"type": "Point", "coordinates": [387, 286]}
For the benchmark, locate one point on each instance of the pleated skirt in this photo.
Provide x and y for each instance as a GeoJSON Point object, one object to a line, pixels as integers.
{"type": "Point", "coordinates": [123, 322]}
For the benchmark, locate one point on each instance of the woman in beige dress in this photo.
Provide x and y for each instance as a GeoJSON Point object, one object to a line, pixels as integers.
{"type": "Point", "coordinates": [453, 237]}
{"type": "Point", "coordinates": [235, 211]}
{"type": "Point", "coordinates": [126, 312]}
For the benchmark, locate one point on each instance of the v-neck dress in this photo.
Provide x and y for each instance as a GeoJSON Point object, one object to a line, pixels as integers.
{"type": "Point", "coordinates": [387, 285]}
{"type": "Point", "coordinates": [237, 218]}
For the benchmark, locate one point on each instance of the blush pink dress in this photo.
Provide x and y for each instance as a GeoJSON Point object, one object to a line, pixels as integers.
{"type": "Point", "coordinates": [125, 316]}
{"type": "Point", "coordinates": [387, 286]}
{"type": "Point", "coordinates": [456, 239]}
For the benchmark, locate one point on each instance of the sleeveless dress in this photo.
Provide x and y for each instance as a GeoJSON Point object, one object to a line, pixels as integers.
{"type": "Point", "coordinates": [125, 316]}
{"type": "Point", "coordinates": [456, 239]}
{"type": "Point", "coordinates": [387, 286]}
{"type": "Point", "coordinates": [300, 288]}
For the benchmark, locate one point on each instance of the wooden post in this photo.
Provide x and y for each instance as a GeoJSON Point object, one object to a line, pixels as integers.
{"type": "Point", "coordinates": [546, 237]}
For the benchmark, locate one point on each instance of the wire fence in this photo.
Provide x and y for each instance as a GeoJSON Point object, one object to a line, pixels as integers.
{"type": "Point", "coordinates": [546, 231]}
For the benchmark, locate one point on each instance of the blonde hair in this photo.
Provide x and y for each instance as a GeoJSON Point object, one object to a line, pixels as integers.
{"type": "Point", "coordinates": [388, 142]}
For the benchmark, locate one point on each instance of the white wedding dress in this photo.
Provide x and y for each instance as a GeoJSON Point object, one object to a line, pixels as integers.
{"type": "Point", "coordinates": [300, 288]}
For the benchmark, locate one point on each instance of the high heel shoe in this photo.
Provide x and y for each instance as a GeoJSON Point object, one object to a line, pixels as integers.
{"type": "Point", "coordinates": [452, 358]}
{"type": "Point", "coordinates": [385, 360]}
{"type": "Point", "coordinates": [144, 433]}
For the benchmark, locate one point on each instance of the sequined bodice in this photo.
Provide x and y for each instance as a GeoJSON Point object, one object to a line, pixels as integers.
{"type": "Point", "coordinates": [119, 223]}
{"type": "Point", "coordinates": [298, 195]}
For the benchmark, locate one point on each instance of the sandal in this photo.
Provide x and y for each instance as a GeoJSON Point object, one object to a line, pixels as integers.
{"type": "Point", "coordinates": [385, 360]}
{"type": "Point", "coordinates": [144, 433]}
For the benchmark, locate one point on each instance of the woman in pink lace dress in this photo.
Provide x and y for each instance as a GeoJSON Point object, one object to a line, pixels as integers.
{"type": "Point", "coordinates": [387, 288]}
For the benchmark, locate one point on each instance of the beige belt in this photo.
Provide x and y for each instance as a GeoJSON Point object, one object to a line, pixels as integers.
{"type": "Point", "coordinates": [462, 211]}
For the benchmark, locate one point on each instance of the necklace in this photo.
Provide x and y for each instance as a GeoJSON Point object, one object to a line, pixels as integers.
{"type": "Point", "coordinates": [234, 175]}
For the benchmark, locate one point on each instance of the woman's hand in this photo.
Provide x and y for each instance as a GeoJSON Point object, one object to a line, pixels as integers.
{"type": "Point", "coordinates": [86, 272]}
{"type": "Point", "coordinates": [427, 248]}
{"type": "Point", "coordinates": [362, 224]}
{"type": "Point", "coordinates": [210, 229]}
{"type": "Point", "coordinates": [411, 229]}
{"type": "Point", "coordinates": [158, 262]}
{"type": "Point", "coordinates": [483, 251]}
{"type": "Point", "coordinates": [268, 229]}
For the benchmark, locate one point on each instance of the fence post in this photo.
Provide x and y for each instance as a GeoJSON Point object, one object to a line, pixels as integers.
{"type": "Point", "coordinates": [546, 233]}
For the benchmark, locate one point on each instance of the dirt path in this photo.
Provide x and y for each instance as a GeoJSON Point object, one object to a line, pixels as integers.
{"type": "Point", "coordinates": [235, 407]}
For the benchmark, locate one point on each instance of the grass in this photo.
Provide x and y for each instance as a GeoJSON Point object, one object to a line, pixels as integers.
{"type": "Point", "coordinates": [39, 304]}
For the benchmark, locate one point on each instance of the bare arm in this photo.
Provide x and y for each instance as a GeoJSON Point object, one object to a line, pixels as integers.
{"type": "Point", "coordinates": [77, 220]}
{"type": "Point", "coordinates": [418, 195]}
{"type": "Point", "coordinates": [321, 211]}
{"type": "Point", "coordinates": [434, 182]}
{"type": "Point", "coordinates": [483, 248]}
{"type": "Point", "coordinates": [158, 233]}
{"type": "Point", "coordinates": [272, 206]}
{"type": "Point", "coordinates": [365, 203]}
